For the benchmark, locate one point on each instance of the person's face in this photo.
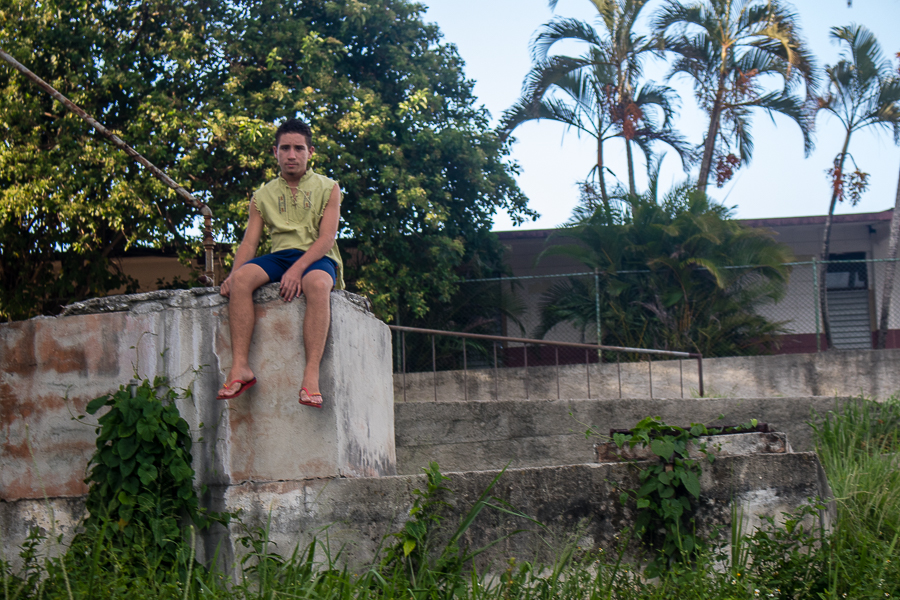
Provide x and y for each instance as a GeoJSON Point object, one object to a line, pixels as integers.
{"type": "Point", "coordinates": [293, 154]}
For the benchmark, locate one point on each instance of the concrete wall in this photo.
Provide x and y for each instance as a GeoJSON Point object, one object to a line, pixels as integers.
{"type": "Point", "coordinates": [310, 469]}
{"type": "Point", "coordinates": [873, 373]}
{"type": "Point", "coordinates": [576, 504]}
{"type": "Point", "coordinates": [489, 435]}
{"type": "Point", "coordinates": [51, 367]}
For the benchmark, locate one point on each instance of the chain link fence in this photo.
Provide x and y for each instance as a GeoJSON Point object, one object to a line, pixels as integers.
{"type": "Point", "coordinates": [634, 309]}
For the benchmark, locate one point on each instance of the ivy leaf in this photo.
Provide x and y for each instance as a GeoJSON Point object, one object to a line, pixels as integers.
{"type": "Point", "coordinates": [147, 473]}
{"type": "Point", "coordinates": [691, 483]}
{"type": "Point", "coordinates": [127, 446]}
{"type": "Point", "coordinates": [663, 448]}
{"type": "Point", "coordinates": [648, 488]}
{"type": "Point", "coordinates": [95, 404]}
{"type": "Point", "coordinates": [408, 546]}
{"type": "Point", "coordinates": [127, 466]}
{"type": "Point", "coordinates": [129, 414]}
{"type": "Point", "coordinates": [109, 458]}
{"type": "Point", "coordinates": [130, 485]}
{"type": "Point", "coordinates": [180, 470]}
{"type": "Point", "coordinates": [147, 429]}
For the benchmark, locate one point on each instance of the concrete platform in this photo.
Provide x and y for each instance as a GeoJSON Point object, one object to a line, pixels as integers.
{"type": "Point", "coordinates": [575, 503]}
{"type": "Point", "coordinates": [489, 435]}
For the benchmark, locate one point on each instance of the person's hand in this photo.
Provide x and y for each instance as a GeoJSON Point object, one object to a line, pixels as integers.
{"type": "Point", "coordinates": [290, 284]}
{"type": "Point", "coordinates": [225, 288]}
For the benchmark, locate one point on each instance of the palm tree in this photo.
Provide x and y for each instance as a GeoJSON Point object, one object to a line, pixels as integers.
{"type": "Point", "coordinates": [890, 271]}
{"type": "Point", "coordinates": [862, 92]}
{"type": "Point", "coordinates": [728, 47]}
{"type": "Point", "coordinates": [598, 93]}
{"type": "Point", "coordinates": [668, 279]}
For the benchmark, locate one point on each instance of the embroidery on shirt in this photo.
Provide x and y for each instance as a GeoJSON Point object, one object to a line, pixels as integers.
{"type": "Point", "coordinates": [282, 205]}
{"type": "Point", "coordinates": [307, 204]}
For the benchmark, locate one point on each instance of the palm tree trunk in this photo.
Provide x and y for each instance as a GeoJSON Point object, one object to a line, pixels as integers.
{"type": "Point", "coordinates": [630, 157]}
{"type": "Point", "coordinates": [709, 145]}
{"type": "Point", "coordinates": [601, 178]}
{"type": "Point", "coordinates": [826, 242]}
{"type": "Point", "coordinates": [889, 272]}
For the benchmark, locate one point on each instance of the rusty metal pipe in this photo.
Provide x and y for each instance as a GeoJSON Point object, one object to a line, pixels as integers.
{"type": "Point", "coordinates": [209, 278]}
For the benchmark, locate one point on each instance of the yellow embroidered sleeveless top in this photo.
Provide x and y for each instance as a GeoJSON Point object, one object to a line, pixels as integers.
{"type": "Point", "coordinates": [293, 220]}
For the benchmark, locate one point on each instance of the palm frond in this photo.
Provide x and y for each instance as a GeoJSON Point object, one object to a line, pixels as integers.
{"type": "Point", "coordinates": [561, 29]}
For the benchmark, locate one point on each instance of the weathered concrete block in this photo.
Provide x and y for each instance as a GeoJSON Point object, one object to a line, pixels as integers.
{"type": "Point", "coordinates": [490, 435]}
{"type": "Point", "coordinates": [734, 444]}
{"type": "Point", "coordinates": [51, 367]}
{"type": "Point", "coordinates": [575, 503]}
{"type": "Point", "coordinates": [834, 373]}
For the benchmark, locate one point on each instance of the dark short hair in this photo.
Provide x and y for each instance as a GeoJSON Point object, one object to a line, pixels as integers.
{"type": "Point", "coordinates": [294, 126]}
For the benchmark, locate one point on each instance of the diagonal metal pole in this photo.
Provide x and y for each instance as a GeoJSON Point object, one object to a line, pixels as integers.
{"type": "Point", "coordinates": [209, 277]}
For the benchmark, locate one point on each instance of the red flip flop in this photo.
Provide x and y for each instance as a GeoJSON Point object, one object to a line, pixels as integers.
{"type": "Point", "coordinates": [245, 385]}
{"type": "Point", "coordinates": [311, 396]}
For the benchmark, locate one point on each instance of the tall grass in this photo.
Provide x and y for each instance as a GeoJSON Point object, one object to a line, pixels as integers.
{"type": "Point", "coordinates": [859, 558]}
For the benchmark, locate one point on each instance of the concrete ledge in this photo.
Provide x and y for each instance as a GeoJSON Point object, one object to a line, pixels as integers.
{"type": "Point", "coordinates": [873, 373]}
{"type": "Point", "coordinates": [733, 444]}
{"type": "Point", "coordinates": [489, 435]}
{"type": "Point", "coordinates": [577, 504]}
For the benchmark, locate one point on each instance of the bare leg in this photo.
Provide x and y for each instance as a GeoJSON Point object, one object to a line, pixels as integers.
{"type": "Point", "coordinates": [242, 319]}
{"type": "Point", "coordinates": [317, 289]}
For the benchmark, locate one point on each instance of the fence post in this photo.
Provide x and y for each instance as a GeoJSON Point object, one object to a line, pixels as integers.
{"type": "Point", "coordinates": [403, 344]}
{"type": "Point", "coordinates": [816, 299]}
{"type": "Point", "coordinates": [597, 311]}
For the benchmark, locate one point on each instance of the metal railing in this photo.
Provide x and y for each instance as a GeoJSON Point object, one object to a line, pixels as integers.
{"type": "Point", "coordinates": [209, 277]}
{"type": "Point", "coordinates": [402, 330]}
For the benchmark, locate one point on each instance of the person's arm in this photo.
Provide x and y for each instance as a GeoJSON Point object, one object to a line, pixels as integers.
{"type": "Point", "coordinates": [328, 227]}
{"type": "Point", "coordinates": [247, 250]}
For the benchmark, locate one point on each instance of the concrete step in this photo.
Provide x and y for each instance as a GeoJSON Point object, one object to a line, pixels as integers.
{"type": "Point", "coordinates": [479, 436]}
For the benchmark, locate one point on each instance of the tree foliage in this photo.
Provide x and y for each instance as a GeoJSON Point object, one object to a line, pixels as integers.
{"type": "Point", "coordinates": [728, 49]}
{"type": "Point", "coordinates": [198, 87]}
{"type": "Point", "coordinates": [863, 92]}
{"type": "Point", "coordinates": [667, 277]}
{"type": "Point", "coordinates": [600, 92]}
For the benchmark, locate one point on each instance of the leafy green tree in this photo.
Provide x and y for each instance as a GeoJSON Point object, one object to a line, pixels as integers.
{"type": "Point", "coordinates": [599, 93]}
{"type": "Point", "coordinates": [198, 87]}
{"type": "Point", "coordinates": [667, 277]}
{"type": "Point", "coordinates": [863, 92]}
{"type": "Point", "coordinates": [729, 48]}
{"type": "Point", "coordinates": [68, 200]}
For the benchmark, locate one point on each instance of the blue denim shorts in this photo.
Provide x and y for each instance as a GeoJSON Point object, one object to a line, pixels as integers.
{"type": "Point", "coordinates": [277, 263]}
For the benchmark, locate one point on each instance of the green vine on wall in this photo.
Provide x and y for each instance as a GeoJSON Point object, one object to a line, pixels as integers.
{"type": "Point", "coordinates": [141, 479]}
{"type": "Point", "coordinates": [670, 488]}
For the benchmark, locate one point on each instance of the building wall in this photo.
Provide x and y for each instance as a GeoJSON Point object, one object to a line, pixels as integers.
{"type": "Point", "coordinates": [866, 233]}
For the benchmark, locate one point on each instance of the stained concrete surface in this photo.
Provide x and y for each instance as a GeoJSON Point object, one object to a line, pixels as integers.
{"type": "Point", "coordinates": [50, 368]}
{"type": "Point", "coordinates": [574, 504]}
{"type": "Point", "coordinates": [872, 373]}
{"type": "Point", "coordinates": [489, 435]}
{"type": "Point", "coordinates": [302, 470]}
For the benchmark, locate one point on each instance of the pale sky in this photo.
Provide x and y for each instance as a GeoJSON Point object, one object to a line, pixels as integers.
{"type": "Point", "coordinates": [493, 38]}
